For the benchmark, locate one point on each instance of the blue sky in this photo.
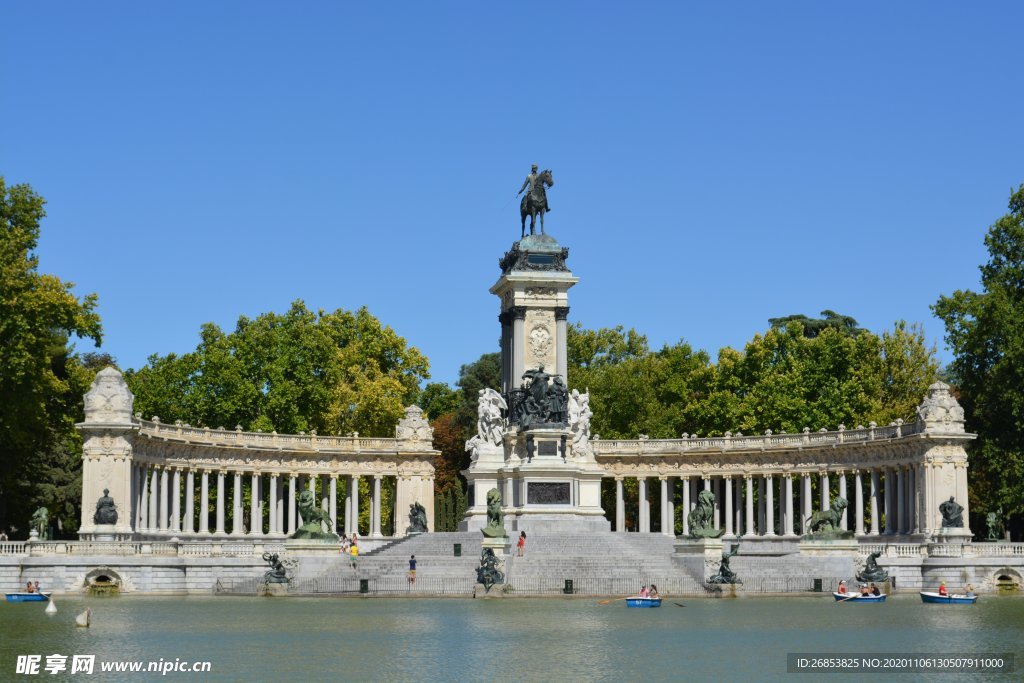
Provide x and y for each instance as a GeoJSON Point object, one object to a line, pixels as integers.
{"type": "Point", "coordinates": [716, 164]}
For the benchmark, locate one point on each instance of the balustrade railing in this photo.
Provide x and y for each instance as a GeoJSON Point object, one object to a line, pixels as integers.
{"type": "Point", "coordinates": [753, 442]}
{"type": "Point", "coordinates": [122, 548]}
{"type": "Point", "coordinates": [272, 441]}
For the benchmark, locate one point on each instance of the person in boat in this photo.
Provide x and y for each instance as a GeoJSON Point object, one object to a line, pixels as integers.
{"type": "Point", "coordinates": [842, 588]}
{"type": "Point", "coordinates": [653, 593]}
{"type": "Point", "coordinates": [38, 590]}
{"type": "Point", "coordinates": [865, 589]}
{"type": "Point", "coordinates": [874, 590]}
{"type": "Point", "coordinates": [942, 589]}
{"type": "Point", "coordinates": [643, 592]}
{"type": "Point", "coordinates": [29, 588]}
{"type": "Point", "coordinates": [969, 591]}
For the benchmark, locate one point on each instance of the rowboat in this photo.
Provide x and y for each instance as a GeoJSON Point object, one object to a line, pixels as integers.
{"type": "Point", "coordinates": [643, 602]}
{"type": "Point", "coordinates": [849, 597]}
{"type": "Point", "coordinates": [951, 599]}
{"type": "Point", "coordinates": [28, 597]}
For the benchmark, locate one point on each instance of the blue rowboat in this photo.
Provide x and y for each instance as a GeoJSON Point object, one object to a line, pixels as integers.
{"type": "Point", "coordinates": [951, 599]}
{"type": "Point", "coordinates": [28, 597]}
{"type": "Point", "coordinates": [643, 602]}
{"type": "Point", "coordinates": [848, 597]}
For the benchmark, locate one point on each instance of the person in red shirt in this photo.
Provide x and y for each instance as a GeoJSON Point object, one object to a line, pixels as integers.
{"type": "Point", "coordinates": [842, 588]}
{"type": "Point", "coordinates": [942, 588]}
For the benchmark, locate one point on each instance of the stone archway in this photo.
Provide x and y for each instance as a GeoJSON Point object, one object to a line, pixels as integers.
{"type": "Point", "coordinates": [1007, 579]}
{"type": "Point", "coordinates": [104, 579]}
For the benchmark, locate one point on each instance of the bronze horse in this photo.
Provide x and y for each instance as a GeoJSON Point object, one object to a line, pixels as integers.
{"type": "Point", "coordinates": [536, 201]}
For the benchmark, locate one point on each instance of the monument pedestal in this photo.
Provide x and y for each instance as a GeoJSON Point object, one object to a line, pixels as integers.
{"type": "Point", "coordinates": [700, 557]}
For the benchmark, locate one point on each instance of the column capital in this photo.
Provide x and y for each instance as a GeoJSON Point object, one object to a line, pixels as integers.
{"type": "Point", "coordinates": [378, 477]}
{"type": "Point", "coordinates": [518, 312]}
{"type": "Point", "coordinates": [619, 477]}
{"type": "Point", "coordinates": [561, 312]}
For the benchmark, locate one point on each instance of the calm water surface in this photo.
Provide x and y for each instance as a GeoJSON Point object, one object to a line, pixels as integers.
{"type": "Point", "coordinates": [310, 639]}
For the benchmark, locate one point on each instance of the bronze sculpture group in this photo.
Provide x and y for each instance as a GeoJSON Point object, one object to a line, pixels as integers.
{"type": "Point", "coordinates": [543, 400]}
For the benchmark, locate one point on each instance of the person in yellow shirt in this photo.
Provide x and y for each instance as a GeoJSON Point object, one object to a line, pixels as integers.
{"type": "Point", "coordinates": [353, 554]}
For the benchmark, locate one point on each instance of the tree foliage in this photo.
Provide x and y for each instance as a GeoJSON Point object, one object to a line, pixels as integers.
{"type": "Point", "coordinates": [814, 326]}
{"type": "Point", "coordinates": [299, 371]}
{"type": "Point", "coordinates": [783, 380]}
{"type": "Point", "coordinates": [985, 330]}
{"type": "Point", "coordinates": [41, 379]}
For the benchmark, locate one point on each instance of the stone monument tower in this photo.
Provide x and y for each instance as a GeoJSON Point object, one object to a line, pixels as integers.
{"type": "Point", "coordinates": [533, 438]}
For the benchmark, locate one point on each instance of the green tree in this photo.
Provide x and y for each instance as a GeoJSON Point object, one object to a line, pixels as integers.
{"type": "Point", "coordinates": [814, 326]}
{"type": "Point", "coordinates": [985, 330]}
{"type": "Point", "coordinates": [40, 377]}
{"type": "Point", "coordinates": [299, 371]}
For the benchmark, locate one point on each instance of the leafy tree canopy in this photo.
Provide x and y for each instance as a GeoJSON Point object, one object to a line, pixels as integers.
{"type": "Point", "coordinates": [41, 379]}
{"type": "Point", "coordinates": [812, 327]}
{"type": "Point", "coordinates": [985, 330]}
{"type": "Point", "coordinates": [294, 372]}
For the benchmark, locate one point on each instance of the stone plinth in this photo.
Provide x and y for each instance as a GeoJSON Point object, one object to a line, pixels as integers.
{"type": "Point", "coordinates": [305, 546]}
{"type": "Point", "coordinates": [502, 547]}
{"type": "Point", "coordinates": [813, 547]}
{"type": "Point", "coordinates": [950, 534]}
{"type": "Point", "coordinates": [698, 556]}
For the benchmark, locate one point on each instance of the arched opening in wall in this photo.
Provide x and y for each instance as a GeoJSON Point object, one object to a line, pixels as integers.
{"type": "Point", "coordinates": [103, 581]}
{"type": "Point", "coordinates": [1007, 579]}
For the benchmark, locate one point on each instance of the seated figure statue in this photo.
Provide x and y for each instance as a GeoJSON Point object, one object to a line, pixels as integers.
{"type": "Point", "coordinates": [106, 511]}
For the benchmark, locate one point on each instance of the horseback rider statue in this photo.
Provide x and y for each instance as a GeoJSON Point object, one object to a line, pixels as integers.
{"type": "Point", "coordinates": [536, 200]}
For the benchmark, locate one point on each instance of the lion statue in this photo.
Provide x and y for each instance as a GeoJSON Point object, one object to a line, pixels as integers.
{"type": "Point", "coordinates": [495, 518]}
{"type": "Point", "coordinates": [701, 517]}
{"type": "Point", "coordinates": [312, 519]}
{"type": "Point", "coordinates": [824, 521]}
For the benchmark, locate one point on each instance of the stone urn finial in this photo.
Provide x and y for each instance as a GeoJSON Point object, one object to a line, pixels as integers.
{"type": "Point", "coordinates": [940, 412]}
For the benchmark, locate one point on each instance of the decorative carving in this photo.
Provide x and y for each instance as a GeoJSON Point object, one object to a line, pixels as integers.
{"type": "Point", "coordinates": [536, 292]}
{"type": "Point", "coordinates": [579, 423]}
{"type": "Point", "coordinates": [548, 493]}
{"type": "Point", "coordinates": [540, 341]}
{"type": "Point", "coordinates": [414, 426]}
{"type": "Point", "coordinates": [109, 400]}
{"type": "Point", "coordinates": [940, 412]}
{"type": "Point", "coordinates": [517, 259]}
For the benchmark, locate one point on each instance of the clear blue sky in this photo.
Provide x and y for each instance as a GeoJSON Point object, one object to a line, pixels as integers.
{"type": "Point", "coordinates": [716, 164]}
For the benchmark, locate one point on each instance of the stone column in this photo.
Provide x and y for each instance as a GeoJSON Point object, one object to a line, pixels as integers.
{"type": "Point", "coordinates": [876, 506]}
{"type": "Point", "coordinates": [890, 527]}
{"type": "Point", "coordinates": [375, 531]}
{"type": "Point", "coordinates": [911, 473]}
{"type": "Point", "coordinates": [518, 341]}
{"type": "Point", "coordinates": [561, 362]}
{"type": "Point", "coordinates": [620, 504]}
{"type": "Point", "coordinates": [293, 483]}
{"type": "Point", "coordinates": [643, 510]}
{"type": "Point", "coordinates": [281, 522]}
{"type": "Point", "coordinates": [165, 491]}
{"type": "Point", "coordinates": [805, 502]}
{"type": "Point", "coordinates": [748, 528]}
{"type": "Point", "coordinates": [788, 526]}
{"type": "Point", "coordinates": [272, 527]}
{"type": "Point", "coordinates": [348, 505]}
{"type": "Point", "coordinates": [154, 498]}
{"type": "Point", "coordinates": [664, 504]}
{"type": "Point", "coordinates": [761, 516]}
{"type": "Point", "coordinates": [355, 503]}
{"type": "Point", "coordinates": [686, 506]}
{"type": "Point", "coordinates": [716, 514]}
{"type": "Point", "coordinates": [769, 487]}
{"type": "Point", "coordinates": [176, 501]}
{"type": "Point", "coordinates": [236, 506]}
{"type": "Point", "coordinates": [220, 502]}
{"type": "Point", "coordinates": [859, 502]}
{"type": "Point", "coordinates": [737, 504]}
{"type": "Point", "coordinates": [901, 501]}
{"type": "Point", "coordinates": [204, 502]}
{"type": "Point", "coordinates": [842, 494]}
{"type": "Point", "coordinates": [671, 530]}
{"type": "Point", "coordinates": [325, 502]}
{"type": "Point", "coordinates": [189, 522]}
{"type": "Point", "coordinates": [143, 500]}
{"type": "Point", "coordinates": [334, 503]}
{"type": "Point", "coordinates": [255, 506]}
{"type": "Point", "coordinates": [826, 494]}
{"type": "Point", "coordinates": [728, 507]}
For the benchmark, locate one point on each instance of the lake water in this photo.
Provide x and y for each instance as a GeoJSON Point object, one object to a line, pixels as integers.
{"type": "Point", "coordinates": [331, 639]}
